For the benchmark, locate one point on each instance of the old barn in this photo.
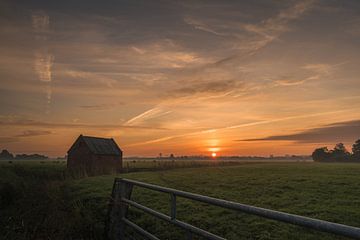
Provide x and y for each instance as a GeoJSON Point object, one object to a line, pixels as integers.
{"type": "Point", "coordinates": [94, 156]}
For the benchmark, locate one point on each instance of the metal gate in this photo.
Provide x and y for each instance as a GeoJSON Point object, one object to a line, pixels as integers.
{"type": "Point", "coordinates": [121, 200]}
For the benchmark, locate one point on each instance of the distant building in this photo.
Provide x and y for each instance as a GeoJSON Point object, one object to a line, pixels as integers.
{"type": "Point", "coordinates": [94, 156]}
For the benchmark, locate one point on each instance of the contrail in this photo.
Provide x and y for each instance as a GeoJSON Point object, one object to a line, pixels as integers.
{"type": "Point", "coordinates": [151, 113]}
{"type": "Point", "coordinates": [43, 60]}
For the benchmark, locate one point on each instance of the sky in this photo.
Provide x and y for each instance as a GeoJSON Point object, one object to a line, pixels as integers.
{"type": "Point", "coordinates": [183, 77]}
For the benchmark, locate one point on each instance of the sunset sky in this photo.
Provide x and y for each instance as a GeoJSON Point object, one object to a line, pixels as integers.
{"type": "Point", "coordinates": [183, 77]}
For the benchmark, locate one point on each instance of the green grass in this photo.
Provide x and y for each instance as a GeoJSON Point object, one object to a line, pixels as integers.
{"type": "Point", "coordinates": [42, 204]}
{"type": "Point", "coordinates": [166, 164]}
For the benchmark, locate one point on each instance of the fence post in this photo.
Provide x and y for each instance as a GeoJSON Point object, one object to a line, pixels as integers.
{"type": "Point", "coordinates": [172, 206]}
{"type": "Point", "coordinates": [118, 209]}
{"type": "Point", "coordinates": [189, 235]}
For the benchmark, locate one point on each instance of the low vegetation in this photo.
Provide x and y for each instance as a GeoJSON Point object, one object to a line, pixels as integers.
{"type": "Point", "coordinates": [39, 201]}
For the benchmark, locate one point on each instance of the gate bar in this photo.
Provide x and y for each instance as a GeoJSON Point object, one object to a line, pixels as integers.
{"type": "Point", "coordinates": [178, 223]}
{"type": "Point", "coordinates": [139, 229]}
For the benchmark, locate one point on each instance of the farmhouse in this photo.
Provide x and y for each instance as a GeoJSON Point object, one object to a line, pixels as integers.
{"type": "Point", "coordinates": [94, 156]}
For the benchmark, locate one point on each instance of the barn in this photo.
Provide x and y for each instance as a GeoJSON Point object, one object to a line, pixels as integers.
{"type": "Point", "coordinates": [94, 156]}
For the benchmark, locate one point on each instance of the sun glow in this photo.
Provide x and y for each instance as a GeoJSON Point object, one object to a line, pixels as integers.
{"type": "Point", "coordinates": [213, 154]}
{"type": "Point", "coordinates": [214, 149]}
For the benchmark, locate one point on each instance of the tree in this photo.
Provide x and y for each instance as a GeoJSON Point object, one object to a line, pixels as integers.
{"type": "Point", "coordinates": [340, 153]}
{"type": "Point", "coordinates": [356, 150]}
{"type": "Point", "coordinates": [321, 154]}
{"type": "Point", "coordinates": [6, 155]}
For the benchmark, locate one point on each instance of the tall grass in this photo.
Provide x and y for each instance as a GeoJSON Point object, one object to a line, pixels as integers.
{"type": "Point", "coordinates": [36, 202]}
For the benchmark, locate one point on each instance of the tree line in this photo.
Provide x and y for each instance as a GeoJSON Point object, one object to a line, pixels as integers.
{"type": "Point", "coordinates": [6, 155]}
{"type": "Point", "coordinates": [338, 154]}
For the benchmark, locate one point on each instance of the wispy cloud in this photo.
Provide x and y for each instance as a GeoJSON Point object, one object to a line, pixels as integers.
{"type": "Point", "coordinates": [91, 78]}
{"type": "Point", "coordinates": [149, 114]}
{"type": "Point", "coordinates": [336, 132]}
{"type": "Point", "coordinates": [138, 50]}
{"type": "Point", "coordinates": [20, 122]}
{"type": "Point", "coordinates": [212, 87]}
{"type": "Point", "coordinates": [290, 82]}
{"type": "Point", "coordinates": [321, 68]}
{"type": "Point", "coordinates": [33, 133]}
{"type": "Point", "coordinates": [261, 34]}
{"type": "Point", "coordinates": [197, 24]}
{"type": "Point", "coordinates": [245, 40]}
{"type": "Point", "coordinates": [24, 134]}
{"type": "Point", "coordinates": [164, 53]}
{"type": "Point", "coordinates": [271, 28]}
{"type": "Point", "coordinates": [8, 139]}
{"type": "Point", "coordinates": [101, 107]}
{"type": "Point", "coordinates": [312, 71]}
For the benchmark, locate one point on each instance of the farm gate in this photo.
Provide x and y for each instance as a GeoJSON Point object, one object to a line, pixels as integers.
{"type": "Point", "coordinates": [121, 200]}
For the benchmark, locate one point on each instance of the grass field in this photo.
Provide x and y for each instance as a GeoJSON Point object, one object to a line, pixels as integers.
{"type": "Point", "coordinates": [38, 201]}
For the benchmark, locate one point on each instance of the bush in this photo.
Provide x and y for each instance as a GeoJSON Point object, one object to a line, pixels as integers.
{"type": "Point", "coordinates": [321, 154]}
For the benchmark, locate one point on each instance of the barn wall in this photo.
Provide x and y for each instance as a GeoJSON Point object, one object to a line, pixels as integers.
{"type": "Point", "coordinates": [78, 159]}
{"type": "Point", "coordinates": [82, 161]}
{"type": "Point", "coordinates": [106, 164]}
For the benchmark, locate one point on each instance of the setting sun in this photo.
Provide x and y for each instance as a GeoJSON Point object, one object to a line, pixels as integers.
{"type": "Point", "coordinates": [213, 154]}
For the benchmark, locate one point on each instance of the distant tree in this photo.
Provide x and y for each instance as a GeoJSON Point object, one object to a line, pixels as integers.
{"type": "Point", "coordinates": [340, 153]}
{"type": "Point", "coordinates": [321, 154]}
{"type": "Point", "coordinates": [30, 157]}
{"type": "Point", "coordinates": [340, 147]}
{"type": "Point", "coordinates": [356, 150]}
{"type": "Point", "coordinates": [172, 156]}
{"type": "Point", "coordinates": [6, 155]}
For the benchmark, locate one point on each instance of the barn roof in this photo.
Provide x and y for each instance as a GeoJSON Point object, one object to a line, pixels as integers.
{"type": "Point", "coordinates": [101, 146]}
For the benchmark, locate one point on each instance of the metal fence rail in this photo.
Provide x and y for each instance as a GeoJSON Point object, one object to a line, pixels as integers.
{"type": "Point", "coordinates": [121, 195]}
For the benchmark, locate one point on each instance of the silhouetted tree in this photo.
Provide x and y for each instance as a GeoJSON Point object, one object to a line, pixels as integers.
{"type": "Point", "coordinates": [339, 153]}
{"type": "Point", "coordinates": [6, 155]}
{"type": "Point", "coordinates": [356, 150]}
{"type": "Point", "coordinates": [321, 154]}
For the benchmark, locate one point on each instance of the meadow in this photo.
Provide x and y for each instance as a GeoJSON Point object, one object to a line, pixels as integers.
{"type": "Point", "coordinates": [41, 201]}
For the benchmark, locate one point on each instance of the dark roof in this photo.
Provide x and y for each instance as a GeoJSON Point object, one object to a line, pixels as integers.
{"type": "Point", "coordinates": [101, 146]}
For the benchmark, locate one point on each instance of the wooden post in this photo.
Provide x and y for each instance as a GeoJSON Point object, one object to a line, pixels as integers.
{"type": "Point", "coordinates": [117, 210]}
{"type": "Point", "coordinates": [173, 206]}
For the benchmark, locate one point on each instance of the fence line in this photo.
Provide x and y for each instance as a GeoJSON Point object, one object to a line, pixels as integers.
{"type": "Point", "coordinates": [121, 195]}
